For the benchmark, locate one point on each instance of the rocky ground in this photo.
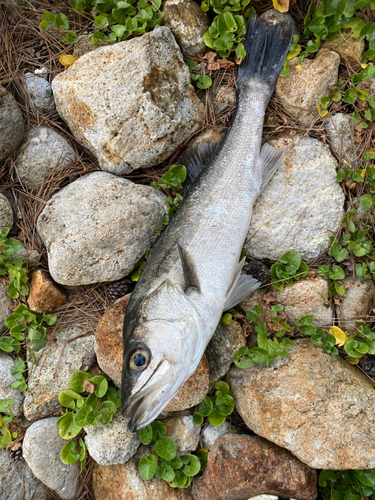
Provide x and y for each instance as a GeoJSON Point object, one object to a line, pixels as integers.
{"type": "Point", "coordinates": [79, 149]}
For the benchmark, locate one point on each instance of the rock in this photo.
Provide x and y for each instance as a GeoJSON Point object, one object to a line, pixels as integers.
{"type": "Point", "coordinates": [40, 92]}
{"type": "Point", "coordinates": [301, 90]}
{"type": "Point", "coordinates": [223, 98]}
{"type": "Point", "coordinates": [44, 151]}
{"type": "Point", "coordinates": [273, 16]}
{"type": "Point", "coordinates": [224, 344]}
{"type": "Point", "coordinates": [12, 126]}
{"type": "Point", "coordinates": [16, 477]}
{"type": "Point", "coordinates": [340, 130]}
{"type": "Point", "coordinates": [6, 380]}
{"type": "Point", "coordinates": [41, 449]}
{"type": "Point", "coordinates": [111, 444]}
{"type": "Point", "coordinates": [109, 344]}
{"type": "Point", "coordinates": [119, 482]}
{"type": "Point", "coordinates": [350, 48]}
{"type": "Point", "coordinates": [188, 22]}
{"type": "Point", "coordinates": [83, 46]}
{"type": "Point", "coordinates": [44, 296]}
{"type": "Point", "coordinates": [194, 389]}
{"type": "Point", "coordinates": [264, 497]}
{"type": "Point", "coordinates": [99, 227]}
{"type": "Point", "coordinates": [184, 433]}
{"type": "Point", "coordinates": [306, 297]}
{"type": "Point", "coordinates": [316, 405]}
{"type": "Point", "coordinates": [357, 303]}
{"type": "Point", "coordinates": [301, 207]}
{"type": "Point", "coordinates": [141, 108]}
{"type": "Point", "coordinates": [211, 434]}
{"type": "Point", "coordinates": [6, 213]}
{"type": "Point", "coordinates": [109, 350]}
{"type": "Point", "coordinates": [240, 466]}
{"type": "Point", "coordinates": [28, 256]}
{"type": "Point", "coordinates": [41, 397]}
{"type": "Point", "coordinates": [5, 303]}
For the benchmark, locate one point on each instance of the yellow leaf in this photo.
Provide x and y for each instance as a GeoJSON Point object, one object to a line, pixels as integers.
{"type": "Point", "coordinates": [352, 361]}
{"type": "Point", "coordinates": [322, 112]}
{"type": "Point", "coordinates": [371, 151]}
{"type": "Point", "coordinates": [361, 172]}
{"type": "Point", "coordinates": [339, 335]}
{"type": "Point", "coordinates": [298, 66]}
{"type": "Point", "coordinates": [1, 420]}
{"type": "Point", "coordinates": [67, 60]}
{"type": "Point", "coordinates": [281, 5]}
{"type": "Point", "coordinates": [295, 52]}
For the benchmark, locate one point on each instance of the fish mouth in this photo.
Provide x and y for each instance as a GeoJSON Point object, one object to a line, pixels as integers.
{"type": "Point", "coordinates": [147, 403]}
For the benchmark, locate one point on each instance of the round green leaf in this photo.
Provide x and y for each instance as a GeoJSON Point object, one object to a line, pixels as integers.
{"type": "Point", "coordinates": [69, 453]}
{"type": "Point", "coordinates": [205, 408]}
{"type": "Point", "coordinates": [216, 420]}
{"type": "Point", "coordinates": [193, 465]}
{"type": "Point", "coordinates": [145, 434]}
{"type": "Point", "coordinates": [158, 430]}
{"type": "Point", "coordinates": [76, 380]}
{"type": "Point", "coordinates": [101, 384]}
{"type": "Point", "coordinates": [71, 399]}
{"type": "Point", "coordinates": [83, 416]}
{"type": "Point", "coordinates": [147, 467]}
{"type": "Point", "coordinates": [197, 419]}
{"type": "Point", "coordinates": [68, 429]}
{"type": "Point", "coordinates": [367, 201]}
{"type": "Point", "coordinates": [222, 386]}
{"type": "Point", "coordinates": [165, 448]}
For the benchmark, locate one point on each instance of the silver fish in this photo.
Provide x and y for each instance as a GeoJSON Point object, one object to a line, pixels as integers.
{"type": "Point", "coordinates": [193, 273]}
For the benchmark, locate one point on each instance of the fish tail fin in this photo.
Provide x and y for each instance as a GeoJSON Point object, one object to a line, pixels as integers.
{"type": "Point", "coordinates": [266, 47]}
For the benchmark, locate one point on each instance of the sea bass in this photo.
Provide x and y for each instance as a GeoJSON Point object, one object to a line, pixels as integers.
{"type": "Point", "coordinates": [193, 273]}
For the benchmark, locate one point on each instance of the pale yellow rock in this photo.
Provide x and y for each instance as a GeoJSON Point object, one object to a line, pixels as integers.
{"type": "Point", "coordinates": [350, 48]}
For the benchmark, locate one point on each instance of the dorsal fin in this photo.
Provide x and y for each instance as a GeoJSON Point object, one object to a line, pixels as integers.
{"type": "Point", "coordinates": [196, 159]}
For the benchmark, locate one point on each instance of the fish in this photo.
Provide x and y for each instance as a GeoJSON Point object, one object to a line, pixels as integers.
{"type": "Point", "coordinates": [193, 273]}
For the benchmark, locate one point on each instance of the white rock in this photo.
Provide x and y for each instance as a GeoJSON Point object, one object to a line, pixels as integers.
{"type": "Point", "coordinates": [340, 129]}
{"type": "Point", "coordinates": [137, 109]}
{"type": "Point", "coordinates": [264, 497]}
{"type": "Point", "coordinates": [44, 386]}
{"type": "Point", "coordinates": [211, 433]}
{"type": "Point", "coordinates": [184, 433]}
{"type": "Point", "coordinates": [6, 380]}
{"type": "Point", "coordinates": [40, 92]}
{"type": "Point", "coordinates": [12, 126]}
{"type": "Point", "coordinates": [301, 207]}
{"type": "Point", "coordinates": [41, 450]}
{"type": "Point", "coordinates": [44, 151]}
{"type": "Point", "coordinates": [5, 302]}
{"type": "Point", "coordinates": [188, 22]}
{"type": "Point", "coordinates": [356, 304]}
{"type": "Point", "coordinates": [17, 477]}
{"type": "Point", "coordinates": [306, 297]}
{"type": "Point", "coordinates": [113, 443]}
{"type": "Point", "coordinates": [6, 213]}
{"type": "Point", "coordinates": [98, 228]}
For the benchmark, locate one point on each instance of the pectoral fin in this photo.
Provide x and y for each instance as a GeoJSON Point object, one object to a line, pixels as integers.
{"type": "Point", "coordinates": [268, 162]}
{"type": "Point", "coordinates": [242, 286]}
{"type": "Point", "coordinates": [189, 269]}
{"type": "Point", "coordinates": [196, 160]}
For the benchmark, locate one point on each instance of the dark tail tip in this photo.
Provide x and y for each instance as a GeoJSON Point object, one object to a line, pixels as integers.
{"type": "Point", "coordinates": [266, 46]}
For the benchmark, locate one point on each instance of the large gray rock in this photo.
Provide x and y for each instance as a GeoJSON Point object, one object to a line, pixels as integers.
{"type": "Point", "coordinates": [6, 380]}
{"type": "Point", "coordinates": [188, 22]}
{"type": "Point", "coordinates": [17, 477]}
{"type": "Point", "coordinates": [340, 130]}
{"type": "Point", "coordinates": [12, 126]}
{"type": "Point", "coordinates": [5, 302]}
{"type": "Point", "coordinates": [356, 304]}
{"type": "Point", "coordinates": [301, 207]}
{"type": "Point", "coordinates": [113, 443]}
{"type": "Point", "coordinates": [137, 109]}
{"type": "Point", "coordinates": [305, 297]}
{"type": "Point", "coordinates": [312, 403]}
{"type": "Point", "coordinates": [6, 213]}
{"type": "Point", "coordinates": [44, 151]}
{"type": "Point", "coordinates": [40, 93]}
{"type": "Point", "coordinates": [41, 450]}
{"type": "Point", "coordinates": [98, 228]}
{"type": "Point", "coordinates": [306, 83]}
{"type": "Point", "coordinates": [44, 385]}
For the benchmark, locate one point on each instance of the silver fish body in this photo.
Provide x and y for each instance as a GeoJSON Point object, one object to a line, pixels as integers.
{"type": "Point", "coordinates": [193, 272]}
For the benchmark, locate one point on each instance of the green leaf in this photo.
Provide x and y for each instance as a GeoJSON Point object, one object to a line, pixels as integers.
{"type": "Point", "coordinates": [83, 416]}
{"type": "Point", "coordinates": [145, 434]}
{"type": "Point", "coordinates": [193, 465]}
{"type": "Point", "coordinates": [6, 437]}
{"type": "Point", "coordinates": [206, 406]}
{"type": "Point", "coordinates": [165, 448]}
{"type": "Point", "coordinates": [101, 22]}
{"type": "Point", "coordinates": [216, 420]}
{"type": "Point", "coordinates": [147, 467]}
{"type": "Point", "coordinates": [61, 21]}
{"type": "Point", "coordinates": [68, 429]}
{"type": "Point", "coordinates": [76, 380]}
{"type": "Point", "coordinates": [6, 344]}
{"type": "Point", "coordinates": [222, 386]}
{"type": "Point", "coordinates": [71, 399]}
{"type": "Point", "coordinates": [101, 383]}
{"type": "Point", "coordinates": [159, 430]}
{"type": "Point", "coordinates": [69, 453]}
{"type": "Point", "coordinates": [336, 273]}
{"type": "Point", "coordinates": [204, 82]}
{"type": "Point", "coordinates": [197, 418]}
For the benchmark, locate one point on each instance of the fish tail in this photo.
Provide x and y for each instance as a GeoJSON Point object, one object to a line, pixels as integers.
{"type": "Point", "coordinates": [266, 47]}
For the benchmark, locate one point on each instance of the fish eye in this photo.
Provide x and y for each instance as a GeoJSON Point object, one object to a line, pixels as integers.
{"type": "Point", "coordinates": [139, 359]}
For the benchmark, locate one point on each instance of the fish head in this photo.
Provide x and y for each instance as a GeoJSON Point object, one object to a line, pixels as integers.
{"type": "Point", "coordinates": [163, 345]}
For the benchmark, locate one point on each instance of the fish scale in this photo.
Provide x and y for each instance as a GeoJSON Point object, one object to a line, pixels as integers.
{"type": "Point", "coordinates": [193, 272]}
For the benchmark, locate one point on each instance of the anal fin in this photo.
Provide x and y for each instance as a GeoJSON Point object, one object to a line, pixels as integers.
{"type": "Point", "coordinates": [242, 286]}
{"type": "Point", "coordinates": [268, 162]}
